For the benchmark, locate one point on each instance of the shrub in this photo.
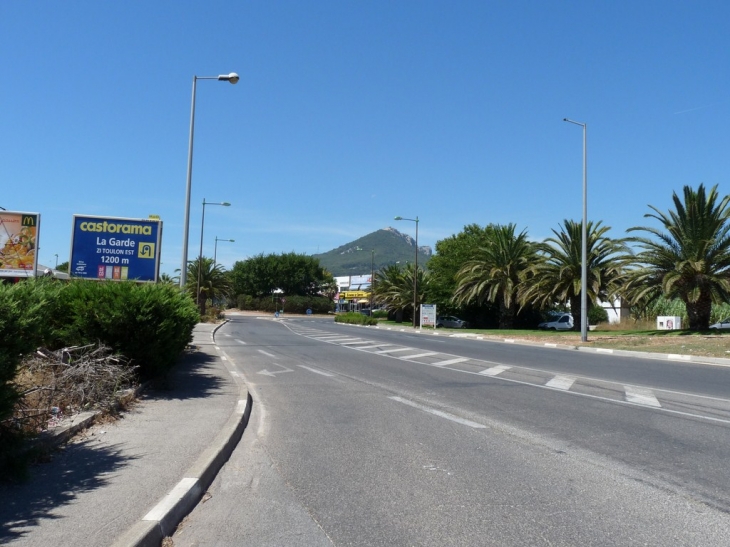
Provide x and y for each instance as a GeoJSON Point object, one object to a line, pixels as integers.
{"type": "Point", "coordinates": [23, 327]}
{"type": "Point", "coordinates": [150, 324]}
{"type": "Point", "coordinates": [355, 318]}
{"type": "Point", "coordinates": [292, 304]}
{"type": "Point", "coordinates": [596, 315]}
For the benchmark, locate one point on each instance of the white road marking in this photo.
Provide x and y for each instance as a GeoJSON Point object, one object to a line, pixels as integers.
{"type": "Point", "coordinates": [641, 396]}
{"type": "Point", "coordinates": [241, 342]}
{"type": "Point", "coordinates": [273, 373]}
{"type": "Point", "coordinates": [375, 346]}
{"type": "Point", "coordinates": [341, 340]}
{"type": "Point", "coordinates": [494, 371]}
{"type": "Point", "coordinates": [267, 353]}
{"type": "Point", "coordinates": [417, 355]}
{"type": "Point", "coordinates": [603, 350]}
{"type": "Point", "coordinates": [394, 350]}
{"type": "Point", "coordinates": [450, 362]}
{"type": "Point", "coordinates": [439, 413]}
{"type": "Point", "coordinates": [561, 382]}
{"type": "Point", "coordinates": [316, 371]}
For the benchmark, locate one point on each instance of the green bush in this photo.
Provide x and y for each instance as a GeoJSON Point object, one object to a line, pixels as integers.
{"type": "Point", "coordinates": [292, 304]}
{"type": "Point", "coordinates": [355, 318]}
{"type": "Point", "coordinates": [380, 314]}
{"type": "Point", "coordinates": [596, 315]}
{"type": "Point", "coordinates": [150, 324]}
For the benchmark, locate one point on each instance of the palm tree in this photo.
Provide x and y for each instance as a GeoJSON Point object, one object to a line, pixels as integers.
{"type": "Point", "coordinates": [214, 282]}
{"type": "Point", "coordinates": [394, 288]}
{"type": "Point", "coordinates": [494, 273]}
{"type": "Point", "coordinates": [556, 276]}
{"type": "Point", "coordinates": [690, 259]}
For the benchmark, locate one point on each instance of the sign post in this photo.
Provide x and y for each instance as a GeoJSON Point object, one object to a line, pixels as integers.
{"type": "Point", "coordinates": [428, 315]}
{"type": "Point", "coordinates": [115, 248]}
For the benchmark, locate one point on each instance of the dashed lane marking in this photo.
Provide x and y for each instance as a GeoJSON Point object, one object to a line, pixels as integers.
{"type": "Point", "coordinates": [417, 355]}
{"type": "Point", "coordinates": [394, 350]}
{"type": "Point", "coordinates": [641, 396]}
{"type": "Point", "coordinates": [316, 371]}
{"type": "Point", "coordinates": [439, 413]}
{"type": "Point", "coordinates": [561, 382]}
{"type": "Point", "coordinates": [494, 371]}
{"type": "Point", "coordinates": [450, 362]}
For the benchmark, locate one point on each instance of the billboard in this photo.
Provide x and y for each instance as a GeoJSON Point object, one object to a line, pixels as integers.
{"type": "Point", "coordinates": [115, 248]}
{"type": "Point", "coordinates": [19, 243]}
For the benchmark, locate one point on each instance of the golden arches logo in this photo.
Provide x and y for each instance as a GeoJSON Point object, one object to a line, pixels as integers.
{"type": "Point", "coordinates": [28, 220]}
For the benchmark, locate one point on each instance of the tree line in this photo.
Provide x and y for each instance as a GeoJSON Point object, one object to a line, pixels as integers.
{"type": "Point", "coordinates": [496, 275]}
{"type": "Point", "coordinates": [497, 268]}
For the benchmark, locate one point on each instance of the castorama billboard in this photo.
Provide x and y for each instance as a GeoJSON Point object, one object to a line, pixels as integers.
{"type": "Point", "coordinates": [115, 248]}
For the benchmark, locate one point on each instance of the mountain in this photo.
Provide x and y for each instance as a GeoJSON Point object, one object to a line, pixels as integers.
{"type": "Point", "coordinates": [389, 244]}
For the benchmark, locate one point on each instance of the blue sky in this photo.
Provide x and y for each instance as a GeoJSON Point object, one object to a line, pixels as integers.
{"type": "Point", "coordinates": [350, 113]}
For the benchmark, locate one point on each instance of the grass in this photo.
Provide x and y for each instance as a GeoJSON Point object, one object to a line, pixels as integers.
{"type": "Point", "coordinates": [632, 337]}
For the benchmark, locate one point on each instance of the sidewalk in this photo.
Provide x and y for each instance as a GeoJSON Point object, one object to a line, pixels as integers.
{"type": "Point", "coordinates": [129, 482]}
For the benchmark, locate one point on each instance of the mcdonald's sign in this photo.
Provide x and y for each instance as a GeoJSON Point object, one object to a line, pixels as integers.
{"type": "Point", "coordinates": [29, 220]}
{"type": "Point", "coordinates": [19, 244]}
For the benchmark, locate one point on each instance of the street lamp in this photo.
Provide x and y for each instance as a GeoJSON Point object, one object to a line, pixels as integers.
{"type": "Point", "coordinates": [372, 279]}
{"type": "Point", "coordinates": [56, 255]}
{"type": "Point", "coordinates": [415, 273]}
{"type": "Point", "coordinates": [584, 249]}
{"type": "Point", "coordinates": [215, 251]}
{"type": "Point", "coordinates": [233, 78]}
{"type": "Point", "coordinates": [200, 255]}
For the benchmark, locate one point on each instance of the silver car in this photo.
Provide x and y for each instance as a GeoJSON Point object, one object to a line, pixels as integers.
{"type": "Point", "coordinates": [451, 322]}
{"type": "Point", "coordinates": [724, 324]}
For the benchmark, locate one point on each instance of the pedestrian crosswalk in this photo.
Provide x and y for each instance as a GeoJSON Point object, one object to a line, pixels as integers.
{"type": "Point", "coordinates": [678, 403]}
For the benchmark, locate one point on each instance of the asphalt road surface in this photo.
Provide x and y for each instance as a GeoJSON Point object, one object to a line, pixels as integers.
{"type": "Point", "coordinates": [363, 436]}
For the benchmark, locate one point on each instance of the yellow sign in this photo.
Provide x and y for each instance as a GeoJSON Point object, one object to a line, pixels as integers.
{"type": "Point", "coordinates": [146, 250]}
{"type": "Point", "coordinates": [354, 294]}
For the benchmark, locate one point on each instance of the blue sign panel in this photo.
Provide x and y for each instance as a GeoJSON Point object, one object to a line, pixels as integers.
{"type": "Point", "coordinates": [115, 248]}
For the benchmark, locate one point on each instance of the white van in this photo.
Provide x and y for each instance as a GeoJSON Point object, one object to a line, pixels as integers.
{"type": "Point", "coordinates": [563, 321]}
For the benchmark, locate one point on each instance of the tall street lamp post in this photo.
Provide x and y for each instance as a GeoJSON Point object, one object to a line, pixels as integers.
{"type": "Point", "coordinates": [372, 279]}
{"type": "Point", "coordinates": [215, 250]}
{"type": "Point", "coordinates": [584, 248]}
{"type": "Point", "coordinates": [200, 255]}
{"type": "Point", "coordinates": [233, 78]}
{"type": "Point", "coordinates": [415, 274]}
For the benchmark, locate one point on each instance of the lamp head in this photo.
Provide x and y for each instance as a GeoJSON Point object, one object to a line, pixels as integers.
{"type": "Point", "coordinates": [398, 218]}
{"type": "Point", "coordinates": [232, 77]}
{"type": "Point", "coordinates": [226, 204]}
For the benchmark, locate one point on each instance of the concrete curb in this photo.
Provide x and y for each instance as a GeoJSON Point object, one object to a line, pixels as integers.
{"type": "Point", "coordinates": [162, 520]}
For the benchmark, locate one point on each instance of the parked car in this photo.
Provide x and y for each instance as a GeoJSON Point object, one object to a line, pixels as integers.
{"type": "Point", "coordinates": [451, 322]}
{"type": "Point", "coordinates": [563, 321]}
{"type": "Point", "coordinates": [724, 324]}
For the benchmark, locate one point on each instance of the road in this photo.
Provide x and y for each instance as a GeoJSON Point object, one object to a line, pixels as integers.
{"type": "Point", "coordinates": [362, 436]}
